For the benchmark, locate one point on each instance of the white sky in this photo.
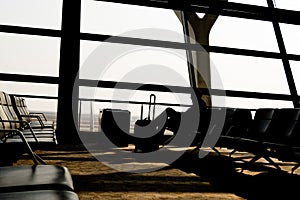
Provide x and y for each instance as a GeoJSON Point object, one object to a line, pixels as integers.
{"type": "Point", "coordinates": [40, 55]}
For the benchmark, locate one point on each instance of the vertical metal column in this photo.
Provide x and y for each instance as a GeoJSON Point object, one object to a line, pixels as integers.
{"type": "Point", "coordinates": [285, 60]}
{"type": "Point", "coordinates": [68, 69]}
{"type": "Point", "coordinates": [188, 51]}
{"type": "Point", "coordinates": [79, 114]}
{"type": "Point", "coordinates": [92, 116]}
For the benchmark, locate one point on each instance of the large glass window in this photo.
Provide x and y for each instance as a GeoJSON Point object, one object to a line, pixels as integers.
{"type": "Point", "coordinates": [30, 55]}
{"type": "Point", "coordinates": [35, 55]}
{"type": "Point", "coordinates": [129, 63]}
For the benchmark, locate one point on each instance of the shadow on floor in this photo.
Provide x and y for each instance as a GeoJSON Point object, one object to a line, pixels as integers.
{"type": "Point", "coordinates": [212, 174]}
{"type": "Point", "coordinates": [221, 172]}
{"type": "Point", "coordinates": [123, 182]}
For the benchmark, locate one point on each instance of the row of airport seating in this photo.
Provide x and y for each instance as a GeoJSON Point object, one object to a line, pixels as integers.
{"type": "Point", "coordinates": [20, 134]}
{"type": "Point", "coordinates": [17, 124]}
{"type": "Point", "coordinates": [20, 106]}
{"type": "Point", "coordinates": [271, 133]}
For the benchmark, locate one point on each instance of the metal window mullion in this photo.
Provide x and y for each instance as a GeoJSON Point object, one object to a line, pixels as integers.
{"type": "Point", "coordinates": [230, 9]}
{"type": "Point", "coordinates": [178, 45]}
{"type": "Point", "coordinates": [285, 61]}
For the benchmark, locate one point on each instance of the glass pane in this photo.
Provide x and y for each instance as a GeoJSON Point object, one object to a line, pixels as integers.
{"type": "Point", "coordinates": [32, 55]}
{"type": "Point", "coordinates": [21, 88]}
{"type": "Point", "coordinates": [290, 35]}
{"type": "Point", "coordinates": [47, 106]}
{"type": "Point", "coordinates": [34, 104]}
{"type": "Point", "coordinates": [288, 4]}
{"type": "Point", "coordinates": [115, 19]}
{"type": "Point", "coordinates": [136, 64]}
{"type": "Point", "coordinates": [251, 2]}
{"type": "Point", "coordinates": [243, 34]}
{"type": "Point", "coordinates": [109, 94]}
{"type": "Point", "coordinates": [127, 100]}
{"type": "Point", "coordinates": [244, 73]}
{"type": "Point", "coordinates": [238, 102]}
{"type": "Point", "coordinates": [86, 49]}
{"type": "Point", "coordinates": [295, 65]}
{"type": "Point", "coordinates": [31, 13]}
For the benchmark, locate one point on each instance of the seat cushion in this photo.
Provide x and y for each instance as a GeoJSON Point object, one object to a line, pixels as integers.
{"type": "Point", "coordinates": [39, 177]}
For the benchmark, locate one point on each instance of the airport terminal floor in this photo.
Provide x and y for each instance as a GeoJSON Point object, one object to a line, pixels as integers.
{"type": "Point", "coordinates": [213, 177]}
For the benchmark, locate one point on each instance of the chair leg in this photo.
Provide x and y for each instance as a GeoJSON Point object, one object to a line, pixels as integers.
{"type": "Point", "coordinates": [33, 155]}
{"type": "Point", "coordinates": [217, 151]}
{"type": "Point", "coordinates": [40, 159]}
{"type": "Point", "coordinates": [30, 152]}
{"type": "Point", "coordinates": [295, 167]}
{"type": "Point", "coordinates": [231, 153]}
{"type": "Point", "coordinates": [254, 159]}
{"type": "Point", "coordinates": [272, 162]}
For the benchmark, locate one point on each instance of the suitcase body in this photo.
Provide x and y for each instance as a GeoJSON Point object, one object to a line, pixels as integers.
{"type": "Point", "coordinates": [146, 132]}
{"type": "Point", "coordinates": [115, 124]}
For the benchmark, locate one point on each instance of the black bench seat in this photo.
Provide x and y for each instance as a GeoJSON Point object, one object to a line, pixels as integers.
{"type": "Point", "coordinates": [40, 195]}
{"type": "Point", "coordinates": [35, 177]}
{"type": "Point", "coordinates": [273, 133]}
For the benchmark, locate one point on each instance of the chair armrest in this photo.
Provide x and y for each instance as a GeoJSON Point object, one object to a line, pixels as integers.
{"type": "Point", "coordinates": [37, 117]}
{"type": "Point", "coordinates": [295, 148]}
{"type": "Point", "coordinates": [37, 113]}
{"type": "Point", "coordinates": [277, 145]}
{"type": "Point", "coordinates": [242, 139]}
{"type": "Point", "coordinates": [229, 130]}
{"type": "Point", "coordinates": [34, 157]}
{"type": "Point", "coordinates": [21, 122]}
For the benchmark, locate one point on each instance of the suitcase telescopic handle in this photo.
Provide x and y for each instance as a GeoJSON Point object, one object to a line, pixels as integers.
{"type": "Point", "coordinates": [142, 110]}
{"type": "Point", "coordinates": [152, 102]}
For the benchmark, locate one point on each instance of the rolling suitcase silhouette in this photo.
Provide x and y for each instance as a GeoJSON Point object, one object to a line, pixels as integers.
{"type": "Point", "coordinates": [115, 124]}
{"type": "Point", "coordinates": [147, 131]}
{"type": "Point", "coordinates": [141, 128]}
